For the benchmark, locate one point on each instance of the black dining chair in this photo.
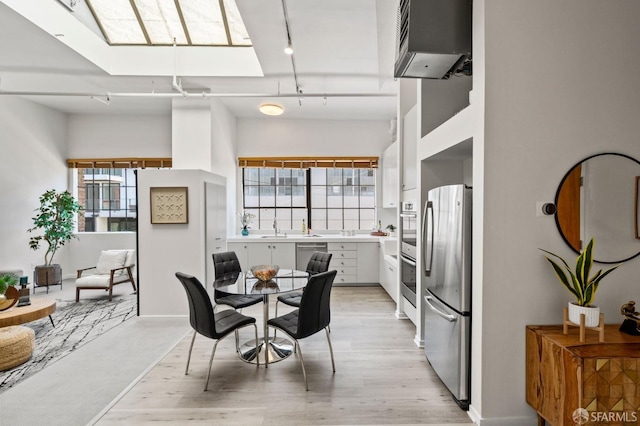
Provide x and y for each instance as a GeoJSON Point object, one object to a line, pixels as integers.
{"type": "Point", "coordinates": [206, 322]}
{"type": "Point", "coordinates": [319, 262]}
{"type": "Point", "coordinates": [227, 264]}
{"type": "Point", "coordinates": [313, 315]}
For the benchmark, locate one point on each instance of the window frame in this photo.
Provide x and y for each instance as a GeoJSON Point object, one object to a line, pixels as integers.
{"type": "Point", "coordinates": [309, 207]}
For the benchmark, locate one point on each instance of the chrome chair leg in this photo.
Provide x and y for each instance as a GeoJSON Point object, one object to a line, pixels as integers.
{"type": "Point", "coordinates": [333, 364]}
{"type": "Point", "coordinates": [257, 346]}
{"type": "Point", "coordinates": [304, 371]}
{"type": "Point", "coordinates": [275, 330]}
{"type": "Point", "coordinates": [213, 352]}
{"type": "Point", "coordinates": [186, 371]}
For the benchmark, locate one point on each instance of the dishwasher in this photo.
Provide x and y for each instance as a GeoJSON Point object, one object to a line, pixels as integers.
{"type": "Point", "coordinates": [304, 252]}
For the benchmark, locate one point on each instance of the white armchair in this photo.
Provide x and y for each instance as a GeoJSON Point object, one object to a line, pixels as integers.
{"type": "Point", "coordinates": [113, 267]}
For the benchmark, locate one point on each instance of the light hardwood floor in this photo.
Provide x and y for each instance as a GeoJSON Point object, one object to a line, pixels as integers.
{"type": "Point", "coordinates": [381, 378]}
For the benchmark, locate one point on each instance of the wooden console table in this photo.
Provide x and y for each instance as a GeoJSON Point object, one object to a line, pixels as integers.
{"type": "Point", "coordinates": [564, 374]}
{"type": "Point", "coordinates": [39, 308]}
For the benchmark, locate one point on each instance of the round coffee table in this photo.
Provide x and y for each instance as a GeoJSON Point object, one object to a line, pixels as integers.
{"type": "Point", "coordinates": [39, 308]}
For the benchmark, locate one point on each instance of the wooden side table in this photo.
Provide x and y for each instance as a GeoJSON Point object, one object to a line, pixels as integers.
{"type": "Point", "coordinates": [564, 374]}
{"type": "Point", "coordinates": [39, 308]}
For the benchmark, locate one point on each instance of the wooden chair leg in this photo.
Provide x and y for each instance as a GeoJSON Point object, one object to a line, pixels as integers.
{"type": "Point", "coordinates": [77, 294]}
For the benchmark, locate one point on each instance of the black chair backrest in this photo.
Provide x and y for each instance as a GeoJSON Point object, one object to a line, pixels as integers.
{"type": "Point", "coordinates": [319, 262]}
{"type": "Point", "coordinates": [314, 313]}
{"type": "Point", "coordinates": [201, 313]}
{"type": "Point", "coordinates": [225, 263]}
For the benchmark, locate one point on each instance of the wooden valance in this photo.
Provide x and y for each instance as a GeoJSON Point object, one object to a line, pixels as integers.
{"type": "Point", "coordinates": [118, 163]}
{"type": "Point", "coordinates": [307, 162]}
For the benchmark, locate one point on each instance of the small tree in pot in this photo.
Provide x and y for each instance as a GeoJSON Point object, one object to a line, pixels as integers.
{"type": "Point", "coordinates": [56, 219]}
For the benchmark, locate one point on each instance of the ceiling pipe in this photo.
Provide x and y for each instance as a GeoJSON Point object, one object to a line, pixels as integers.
{"type": "Point", "coordinates": [186, 94]}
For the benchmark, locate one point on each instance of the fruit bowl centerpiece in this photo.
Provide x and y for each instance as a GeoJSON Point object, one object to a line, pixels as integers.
{"type": "Point", "coordinates": [265, 273]}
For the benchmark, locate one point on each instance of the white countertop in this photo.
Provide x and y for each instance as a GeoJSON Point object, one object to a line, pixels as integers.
{"type": "Point", "coordinates": [322, 238]}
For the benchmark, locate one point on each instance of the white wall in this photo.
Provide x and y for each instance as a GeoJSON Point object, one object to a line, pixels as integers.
{"type": "Point", "coordinates": [120, 136]}
{"type": "Point", "coordinates": [191, 134]}
{"type": "Point", "coordinates": [224, 158]}
{"type": "Point", "coordinates": [164, 249]}
{"type": "Point", "coordinates": [271, 137]}
{"type": "Point", "coordinates": [268, 137]}
{"type": "Point", "coordinates": [559, 87]}
{"type": "Point", "coordinates": [85, 250]}
{"type": "Point", "coordinates": [33, 146]}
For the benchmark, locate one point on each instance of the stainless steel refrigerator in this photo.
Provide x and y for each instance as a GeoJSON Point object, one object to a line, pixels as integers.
{"type": "Point", "coordinates": [446, 251]}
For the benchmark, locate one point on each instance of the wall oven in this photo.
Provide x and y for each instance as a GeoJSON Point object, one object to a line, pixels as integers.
{"type": "Point", "coordinates": [408, 221]}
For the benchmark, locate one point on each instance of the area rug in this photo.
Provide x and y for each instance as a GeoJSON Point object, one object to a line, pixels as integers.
{"type": "Point", "coordinates": [75, 325]}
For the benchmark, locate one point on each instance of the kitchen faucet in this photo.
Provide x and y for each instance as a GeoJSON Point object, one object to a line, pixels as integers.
{"type": "Point", "coordinates": [275, 226]}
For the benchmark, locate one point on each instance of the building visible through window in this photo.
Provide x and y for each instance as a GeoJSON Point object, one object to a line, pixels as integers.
{"type": "Point", "coordinates": [326, 198]}
{"type": "Point", "coordinates": [108, 199]}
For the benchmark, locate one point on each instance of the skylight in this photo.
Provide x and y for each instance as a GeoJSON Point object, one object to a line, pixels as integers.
{"type": "Point", "coordinates": [159, 22]}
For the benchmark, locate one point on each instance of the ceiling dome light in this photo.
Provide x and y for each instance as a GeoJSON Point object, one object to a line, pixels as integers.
{"type": "Point", "coordinates": [288, 50]}
{"type": "Point", "coordinates": [271, 109]}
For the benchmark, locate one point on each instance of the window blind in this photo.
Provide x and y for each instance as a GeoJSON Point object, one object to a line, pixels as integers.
{"type": "Point", "coordinates": [308, 162]}
{"type": "Point", "coordinates": [118, 163]}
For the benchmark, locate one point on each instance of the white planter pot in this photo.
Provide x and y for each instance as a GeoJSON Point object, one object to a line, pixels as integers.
{"type": "Point", "coordinates": [591, 314]}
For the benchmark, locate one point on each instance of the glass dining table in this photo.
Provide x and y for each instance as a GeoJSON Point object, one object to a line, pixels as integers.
{"type": "Point", "coordinates": [270, 349]}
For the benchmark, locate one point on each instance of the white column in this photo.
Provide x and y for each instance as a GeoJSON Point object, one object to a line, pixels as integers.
{"type": "Point", "coordinates": [191, 134]}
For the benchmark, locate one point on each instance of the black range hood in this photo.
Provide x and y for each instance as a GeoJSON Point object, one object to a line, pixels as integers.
{"type": "Point", "coordinates": [433, 38]}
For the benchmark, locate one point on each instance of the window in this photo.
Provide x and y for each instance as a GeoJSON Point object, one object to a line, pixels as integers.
{"type": "Point", "coordinates": [106, 190]}
{"type": "Point", "coordinates": [108, 199]}
{"type": "Point", "coordinates": [187, 22]}
{"type": "Point", "coordinates": [326, 198]}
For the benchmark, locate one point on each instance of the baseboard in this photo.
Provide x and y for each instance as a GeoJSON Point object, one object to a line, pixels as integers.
{"type": "Point", "coordinates": [500, 421]}
{"type": "Point", "coordinates": [335, 284]}
{"type": "Point", "coordinates": [401, 315]}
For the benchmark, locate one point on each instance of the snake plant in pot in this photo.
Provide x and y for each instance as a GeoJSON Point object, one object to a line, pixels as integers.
{"type": "Point", "coordinates": [582, 286]}
{"type": "Point", "coordinates": [55, 218]}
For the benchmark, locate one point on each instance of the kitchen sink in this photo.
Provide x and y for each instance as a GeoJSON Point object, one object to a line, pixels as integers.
{"type": "Point", "coordinates": [273, 236]}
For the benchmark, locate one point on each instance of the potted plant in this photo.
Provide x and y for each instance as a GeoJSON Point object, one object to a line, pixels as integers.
{"type": "Point", "coordinates": [55, 218]}
{"type": "Point", "coordinates": [580, 284]}
{"type": "Point", "coordinates": [246, 218]}
{"type": "Point", "coordinates": [392, 229]}
{"type": "Point", "coordinates": [7, 281]}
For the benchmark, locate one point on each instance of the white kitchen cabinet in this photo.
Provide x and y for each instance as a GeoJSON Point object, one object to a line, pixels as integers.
{"type": "Point", "coordinates": [389, 276]}
{"type": "Point", "coordinates": [390, 176]}
{"type": "Point", "coordinates": [368, 254]}
{"type": "Point", "coordinates": [344, 259]}
{"type": "Point", "coordinates": [281, 254]}
{"type": "Point", "coordinates": [353, 261]}
{"type": "Point", "coordinates": [241, 249]}
{"type": "Point", "coordinates": [410, 150]}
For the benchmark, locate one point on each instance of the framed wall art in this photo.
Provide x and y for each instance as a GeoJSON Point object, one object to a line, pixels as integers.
{"type": "Point", "coordinates": [169, 204]}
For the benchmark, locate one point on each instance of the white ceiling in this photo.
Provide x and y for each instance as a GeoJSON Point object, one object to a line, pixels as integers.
{"type": "Point", "coordinates": [341, 46]}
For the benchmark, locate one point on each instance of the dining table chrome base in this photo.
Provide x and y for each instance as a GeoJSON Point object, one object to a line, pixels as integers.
{"type": "Point", "coordinates": [275, 350]}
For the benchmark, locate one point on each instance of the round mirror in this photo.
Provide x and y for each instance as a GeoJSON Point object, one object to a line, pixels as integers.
{"type": "Point", "coordinates": [598, 198]}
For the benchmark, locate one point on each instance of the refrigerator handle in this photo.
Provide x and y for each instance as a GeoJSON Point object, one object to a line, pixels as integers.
{"type": "Point", "coordinates": [450, 318]}
{"type": "Point", "coordinates": [427, 255]}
